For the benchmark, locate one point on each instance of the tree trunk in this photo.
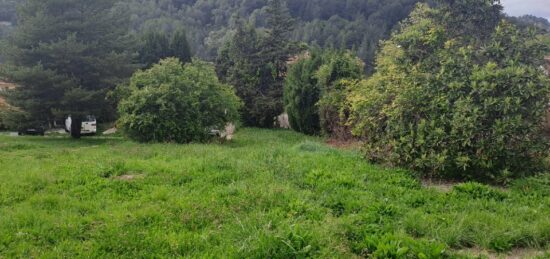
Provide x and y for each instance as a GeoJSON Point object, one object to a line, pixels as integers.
{"type": "Point", "coordinates": [76, 128]}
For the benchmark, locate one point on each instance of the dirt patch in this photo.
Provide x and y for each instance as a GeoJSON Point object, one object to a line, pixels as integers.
{"type": "Point", "coordinates": [352, 144]}
{"type": "Point", "coordinates": [129, 177]}
{"type": "Point", "coordinates": [440, 185]}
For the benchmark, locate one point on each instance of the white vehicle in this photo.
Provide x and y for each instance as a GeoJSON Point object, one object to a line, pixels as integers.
{"type": "Point", "coordinates": [89, 125]}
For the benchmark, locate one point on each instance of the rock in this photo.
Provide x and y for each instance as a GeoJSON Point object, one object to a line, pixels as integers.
{"type": "Point", "coordinates": [110, 131]}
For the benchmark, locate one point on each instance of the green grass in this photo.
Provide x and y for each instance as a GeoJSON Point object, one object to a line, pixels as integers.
{"type": "Point", "coordinates": [268, 194]}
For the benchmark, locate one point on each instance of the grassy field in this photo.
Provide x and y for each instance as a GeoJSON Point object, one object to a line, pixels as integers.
{"type": "Point", "coordinates": [268, 194]}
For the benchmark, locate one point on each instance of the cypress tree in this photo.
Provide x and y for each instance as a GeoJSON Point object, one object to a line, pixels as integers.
{"type": "Point", "coordinates": [302, 93]}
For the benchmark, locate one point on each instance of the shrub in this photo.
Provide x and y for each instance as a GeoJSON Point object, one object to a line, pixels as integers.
{"type": "Point", "coordinates": [301, 94]}
{"type": "Point", "coordinates": [175, 103]}
{"type": "Point", "coordinates": [14, 119]}
{"type": "Point", "coordinates": [451, 108]}
{"type": "Point", "coordinates": [316, 90]}
{"type": "Point", "coordinates": [336, 77]}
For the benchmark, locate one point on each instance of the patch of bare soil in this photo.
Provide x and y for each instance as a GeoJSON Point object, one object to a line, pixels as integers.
{"type": "Point", "coordinates": [351, 144]}
{"type": "Point", "coordinates": [440, 185]}
{"type": "Point", "coordinates": [514, 254]}
{"type": "Point", "coordinates": [129, 177]}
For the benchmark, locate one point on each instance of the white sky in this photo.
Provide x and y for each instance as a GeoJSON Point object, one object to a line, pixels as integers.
{"type": "Point", "coordinates": [539, 8]}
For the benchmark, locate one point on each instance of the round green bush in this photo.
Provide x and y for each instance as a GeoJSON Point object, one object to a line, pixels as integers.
{"type": "Point", "coordinates": [453, 108]}
{"type": "Point", "coordinates": [175, 103]}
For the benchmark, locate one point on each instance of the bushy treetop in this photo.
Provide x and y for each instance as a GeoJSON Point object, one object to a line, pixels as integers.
{"type": "Point", "coordinates": [445, 105]}
{"type": "Point", "coordinates": [171, 102]}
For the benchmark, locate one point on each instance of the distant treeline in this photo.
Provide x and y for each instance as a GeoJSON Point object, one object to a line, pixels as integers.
{"type": "Point", "coordinates": [351, 24]}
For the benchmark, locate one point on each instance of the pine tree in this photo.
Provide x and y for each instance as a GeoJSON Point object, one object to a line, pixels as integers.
{"type": "Point", "coordinates": [238, 64]}
{"type": "Point", "coordinates": [277, 47]}
{"type": "Point", "coordinates": [257, 64]}
{"type": "Point", "coordinates": [65, 56]}
{"type": "Point", "coordinates": [155, 46]}
{"type": "Point", "coordinates": [275, 50]}
{"type": "Point", "coordinates": [179, 46]}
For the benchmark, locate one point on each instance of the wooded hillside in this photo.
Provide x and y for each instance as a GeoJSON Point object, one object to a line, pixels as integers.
{"type": "Point", "coordinates": [353, 24]}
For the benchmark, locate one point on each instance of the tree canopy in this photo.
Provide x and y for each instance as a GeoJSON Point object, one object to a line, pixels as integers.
{"type": "Point", "coordinates": [351, 24]}
{"type": "Point", "coordinates": [64, 60]}
{"type": "Point", "coordinates": [255, 62]}
{"type": "Point", "coordinates": [448, 104]}
{"type": "Point", "coordinates": [172, 102]}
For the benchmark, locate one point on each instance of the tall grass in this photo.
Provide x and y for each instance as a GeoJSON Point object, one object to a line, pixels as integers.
{"type": "Point", "coordinates": [268, 194]}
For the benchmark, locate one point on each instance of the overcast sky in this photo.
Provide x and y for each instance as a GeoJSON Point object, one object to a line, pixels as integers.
{"type": "Point", "coordinates": [539, 8]}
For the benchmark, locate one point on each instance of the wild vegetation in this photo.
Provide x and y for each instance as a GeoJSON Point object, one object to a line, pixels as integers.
{"type": "Point", "coordinates": [66, 63]}
{"type": "Point", "coordinates": [176, 103]}
{"type": "Point", "coordinates": [456, 102]}
{"type": "Point", "coordinates": [157, 45]}
{"type": "Point", "coordinates": [457, 92]}
{"type": "Point", "coordinates": [255, 62]}
{"type": "Point", "coordinates": [316, 88]}
{"type": "Point", "coordinates": [357, 25]}
{"type": "Point", "coordinates": [266, 194]}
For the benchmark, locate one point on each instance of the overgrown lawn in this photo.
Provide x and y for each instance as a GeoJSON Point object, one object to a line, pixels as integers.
{"type": "Point", "coordinates": [268, 194]}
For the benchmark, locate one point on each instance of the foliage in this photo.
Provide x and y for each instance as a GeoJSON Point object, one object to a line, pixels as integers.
{"type": "Point", "coordinates": [336, 77]}
{"type": "Point", "coordinates": [452, 106]}
{"type": "Point", "coordinates": [301, 94]}
{"type": "Point", "coordinates": [268, 193]}
{"type": "Point", "coordinates": [239, 65]}
{"type": "Point", "coordinates": [256, 64]}
{"type": "Point", "coordinates": [354, 25]}
{"type": "Point", "coordinates": [159, 45]}
{"type": "Point", "coordinates": [7, 11]}
{"type": "Point", "coordinates": [316, 89]}
{"type": "Point", "coordinates": [530, 20]}
{"type": "Point", "coordinates": [65, 63]}
{"type": "Point", "coordinates": [479, 191]}
{"type": "Point", "coordinates": [395, 246]}
{"type": "Point", "coordinates": [7, 114]}
{"type": "Point", "coordinates": [177, 103]}
{"type": "Point", "coordinates": [471, 21]}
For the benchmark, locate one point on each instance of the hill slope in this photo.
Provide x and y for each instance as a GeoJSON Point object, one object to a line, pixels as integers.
{"type": "Point", "coordinates": [353, 24]}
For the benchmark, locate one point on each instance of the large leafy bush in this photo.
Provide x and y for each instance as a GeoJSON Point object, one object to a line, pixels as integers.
{"type": "Point", "coordinates": [316, 89]}
{"type": "Point", "coordinates": [175, 103]}
{"type": "Point", "coordinates": [336, 78]}
{"type": "Point", "coordinates": [445, 104]}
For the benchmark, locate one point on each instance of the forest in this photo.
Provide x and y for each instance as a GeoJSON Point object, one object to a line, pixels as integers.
{"type": "Point", "coordinates": [352, 24]}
